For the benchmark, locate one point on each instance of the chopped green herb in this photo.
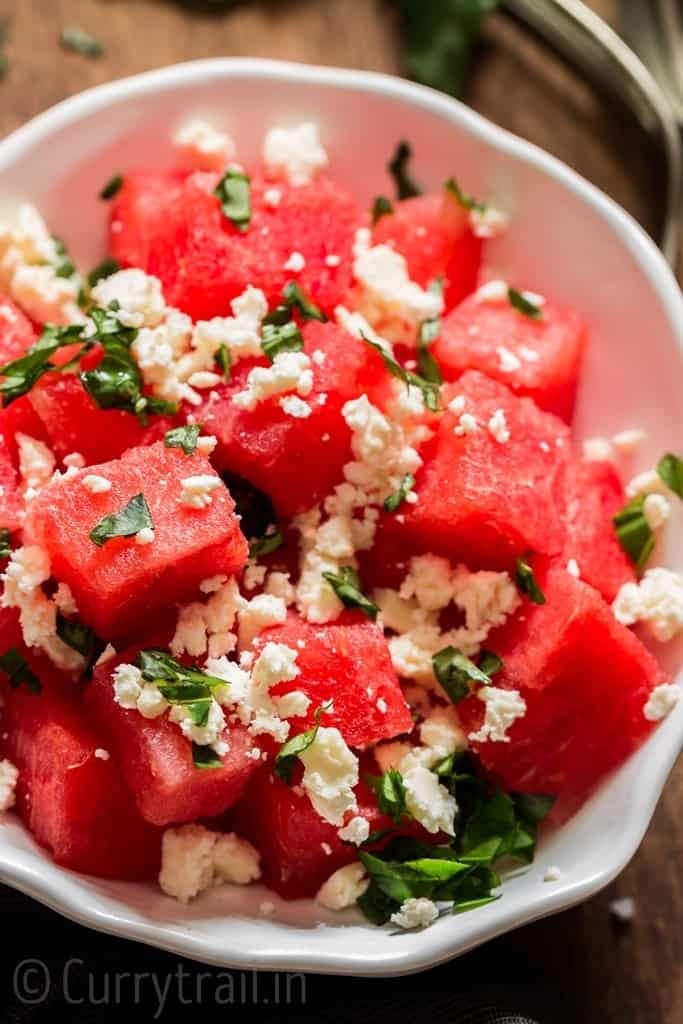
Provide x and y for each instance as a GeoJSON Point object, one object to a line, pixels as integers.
{"type": "Point", "coordinates": [466, 201]}
{"type": "Point", "coordinates": [346, 585]}
{"type": "Point", "coordinates": [295, 297]}
{"type": "Point", "coordinates": [291, 750]}
{"type": "Point", "coordinates": [205, 757]}
{"type": "Point", "coordinates": [14, 665]}
{"type": "Point", "coordinates": [265, 545]}
{"type": "Point", "coordinates": [523, 305]}
{"type": "Point", "coordinates": [390, 793]}
{"type": "Point", "coordinates": [64, 266]}
{"type": "Point", "coordinates": [456, 672]}
{"type": "Point", "coordinates": [634, 533]}
{"type": "Point", "coordinates": [396, 499]}
{"type": "Point", "coordinates": [104, 269]}
{"type": "Point", "coordinates": [5, 543]}
{"type": "Point", "coordinates": [223, 360]}
{"type": "Point", "coordinates": [158, 666]}
{"type": "Point", "coordinates": [526, 582]}
{"type": "Point", "coordinates": [112, 188]}
{"type": "Point", "coordinates": [380, 208]}
{"type": "Point", "coordinates": [234, 192]}
{"type": "Point", "coordinates": [279, 316]}
{"type": "Point", "coordinates": [429, 331]}
{"type": "Point", "coordinates": [670, 470]}
{"type": "Point", "coordinates": [79, 637]}
{"type": "Point", "coordinates": [430, 390]}
{"type": "Point", "coordinates": [275, 340]}
{"type": "Point", "coordinates": [398, 169]}
{"type": "Point", "coordinates": [132, 518]}
{"type": "Point", "coordinates": [21, 374]}
{"type": "Point", "coordinates": [183, 437]}
{"type": "Point", "coordinates": [489, 663]}
{"type": "Point", "coordinates": [73, 37]}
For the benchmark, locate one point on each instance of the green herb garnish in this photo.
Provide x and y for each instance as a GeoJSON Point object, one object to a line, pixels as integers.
{"type": "Point", "coordinates": [457, 673]}
{"type": "Point", "coordinates": [429, 331]}
{"type": "Point", "coordinates": [14, 665]}
{"type": "Point", "coordinates": [183, 437]}
{"type": "Point", "coordinates": [104, 269]}
{"type": "Point", "coordinates": [398, 169]}
{"type": "Point", "coordinates": [223, 360]}
{"type": "Point", "coordinates": [267, 544]}
{"type": "Point", "coordinates": [526, 582]}
{"type": "Point", "coordinates": [670, 470]}
{"type": "Point", "coordinates": [429, 389]}
{"type": "Point", "coordinates": [286, 757]}
{"type": "Point", "coordinates": [296, 298]}
{"type": "Point", "coordinates": [234, 193]}
{"type": "Point", "coordinates": [523, 305]}
{"type": "Point", "coordinates": [346, 585]}
{"type": "Point", "coordinates": [634, 533]}
{"type": "Point", "coordinates": [113, 187]}
{"type": "Point", "coordinates": [79, 637]}
{"type": "Point", "coordinates": [390, 793]}
{"type": "Point", "coordinates": [275, 339]}
{"type": "Point", "coordinates": [5, 543]}
{"type": "Point", "coordinates": [132, 518]}
{"type": "Point", "coordinates": [74, 38]}
{"type": "Point", "coordinates": [396, 499]}
{"type": "Point", "coordinates": [381, 207]}
{"type": "Point", "coordinates": [20, 375]}
{"type": "Point", "coordinates": [205, 757]}
{"type": "Point", "coordinates": [467, 202]}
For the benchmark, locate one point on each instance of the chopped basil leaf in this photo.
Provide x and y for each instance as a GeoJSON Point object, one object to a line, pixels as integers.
{"type": "Point", "coordinates": [183, 437]}
{"type": "Point", "coordinates": [520, 302]}
{"type": "Point", "coordinates": [466, 201]}
{"type": "Point", "coordinates": [5, 543]}
{"type": "Point", "coordinates": [279, 316]}
{"type": "Point", "coordinates": [465, 905]}
{"type": "Point", "coordinates": [278, 339]}
{"type": "Point", "coordinates": [380, 208]}
{"type": "Point", "coordinates": [346, 585]}
{"type": "Point", "coordinates": [456, 672]}
{"type": "Point", "coordinates": [398, 169]}
{"type": "Point", "coordinates": [113, 187]}
{"type": "Point", "coordinates": [65, 265]}
{"type": "Point", "coordinates": [295, 297]}
{"type": "Point", "coordinates": [73, 37]}
{"type": "Point", "coordinates": [234, 192]}
{"type": "Point", "coordinates": [104, 269]}
{"type": "Point", "coordinates": [396, 499]}
{"type": "Point", "coordinates": [429, 331]}
{"type": "Point", "coordinates": [390, 793]}
{"type": "Point", "coordinates": [78, 636]}
{"type": "Point", "coordinates": [205, 757]}
{"type": "Point", "coordinates": [533, 807]}
{"type": "Point", "coordinates": [182, 686]}
{"type": "Point", "coordinates": [223, 360]}
{"type": "Point", "coordinates": [489, 663]}
{"type": "Point", "coordinates": [21, 374]}
{"type": "Point", "coordinates": [429, 389]}
{"type": "Point", "coordinates": [267, 544]}
{"type": "Point", "coordinates": [289, 752]}
{"type": "Point", "coordinates": [504, 825]}
{"type": "Point", "coordinates": [526, 582]}
{"type": "Point", "coordinates": [634, 533]}
{"type": "Point", "coordinates": [135, 516]}
{"type": "Point", "coordinates": [670, 470]}
{"type": "Point", "coordinates": [14, 665]}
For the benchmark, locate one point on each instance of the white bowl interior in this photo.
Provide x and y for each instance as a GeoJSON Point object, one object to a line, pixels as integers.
{"type": "Point", "coordinates": [567, 241]}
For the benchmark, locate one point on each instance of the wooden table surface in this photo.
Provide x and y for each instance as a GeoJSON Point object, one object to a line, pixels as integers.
{"type": "Point", "coordinates": [577, 965]}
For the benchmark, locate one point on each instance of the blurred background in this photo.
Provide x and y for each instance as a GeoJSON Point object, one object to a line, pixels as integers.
{"type": "Point", "coordinates": [581, 966]}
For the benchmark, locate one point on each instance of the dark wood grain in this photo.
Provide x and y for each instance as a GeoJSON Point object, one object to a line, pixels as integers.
{"type": "Point", "coordinates": [575, 966]}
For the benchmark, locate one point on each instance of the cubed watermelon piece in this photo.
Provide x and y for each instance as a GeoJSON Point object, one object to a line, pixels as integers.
{"type": "Point", "coordinates": [433, 233]}
{"type": "Point", "coordinates": [585, 679]}
{"type": "Point", "coordinates": [539, 358]}
{"type": "Point", "coordinates": [266, 444]}
{"type": "Point", "coordinates": [156, 758]}
{"type": "Point", "coordinates": [172, 226]}
{"type": "Point", "coordinates": [16, 331]}
{"type": "Point", "coordinates": [347, 662]}
{"type": "Point", "coordinates": [21, 417]}
{"type": "Point", "coordinates": [595, 495]}
{"type": "Point", "coordinates": [69, 794]}
{"type": "Point", "coordinates": [119, 584]}
{"type": "Point", "coordinates": [480, 500]}
{"type": "Point", "coordinates": [11, 505]}
{"type": "Point", "coordinates": [73, 422]}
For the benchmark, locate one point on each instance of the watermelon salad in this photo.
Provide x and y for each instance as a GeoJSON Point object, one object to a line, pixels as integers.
{"type": "Point", "coordinates": [303, 578]}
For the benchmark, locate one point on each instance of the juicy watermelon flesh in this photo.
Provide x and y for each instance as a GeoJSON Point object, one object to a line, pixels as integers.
{"type": "Point", "coordinates": [548, 350]}
{"type": "Point", "coordinates": [585, 679]}
{"type": "Point", "coordinates": [11, 506]}
{"type": "Point", "coordinates": [16, 331]}
{"type": "Point", "coordinates": [117, 585]}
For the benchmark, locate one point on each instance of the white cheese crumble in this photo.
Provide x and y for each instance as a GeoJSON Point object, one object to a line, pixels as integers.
{"type": "Point", "coordinates": [295, 262]}
{"type": "Point", "coordinates": [294, 704]}
{"type": "Point", "coordinates": [144, 536]}
{"type": "Point", "coordinates": [203, 146]}
{"type": "Point", "coordinates": [573, 568]}
{"type": "Point", "coordinates": [627, 441]}
{"type": "Point", "coordinates": [661, 702]}
{"type": "Point", "coordinates": [344, 887]}
{"type": "Point", "coordinates": [272, 197]}
{"type": "Point", "coordinates": [256, 615]}
{"type": "Point", "coordinates": [356, 831]}
{"type": "Point", "coordinates": [95, 483]}
{"type": "Point", "coordinates": [597, 449]}
{"type": "Point", "coordinates": [294, 154]}
{"type": "Point", "coordinates": [330, 775]}
{"type": "Point", "coordinates": [498, 427]}
{"type": "Point", "coordinates": [290, 371]}
{"type": "Point", "coordinates": [487, 222]}
{"type": "Point", "coordinates": [295, 407]}
{"type": "Point", "coordinates": [467, 424]}
{"type": "Point", "coordinates": [208, 627]}
{"type": "Point", "coordinates": [134, 694]}
{"type": "Point", "coordinates": [553, 874]}
{"type": "Point", "coordinates": [503, 708]}
{"type": "Point", "coordinates": [657, 601]}
{"type": "Point", "coordinates": [494, 292]}
{"type": "Point", "coordinates": [9, 776]}
{"type": "Point", "coordinates": [196, 490]}
{"type": "Point", "coordinates": [140, 298]}
{"type": "Point", "coordinates": [624, 909]}
{"type": "Point", "coordinates": [101, 754]}
{"type": "Point", "coordinates": [74, 459]}
{"type": "Point", "coordinates": [194, 859]}
{"type": "Point", "coordinates": [415, 913]}
{"type": "Point", "coordinates": [36, 462]}
{"type": "Point", "coordinates": [648, 482]}
{"type": "Point", "coordinates": [429, 802]}
{"type": "Point", "coordinates": [508, 361]}
{"type": "Point", "coordinates": [332, 260]}
{"type": "Point", "coordinates": [656, 509]}
{"type": "Point", "coordinates": [206, 444]}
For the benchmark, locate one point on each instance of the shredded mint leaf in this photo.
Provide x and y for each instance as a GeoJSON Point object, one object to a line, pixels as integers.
{"type": "Point", "coordinates": [223, 360]}
{"type": "Point", "coordinates": [112, 188]}
{"type": "Point", "coordinates": [14, 665]}
{"type": "Point", "coordinates": [183, 686]}
{"type": "Point", "coordinates": [267, 544]}
{"type": "Point", "coordinates": [65, 266]}
{"type": "Point", "coordinates": [296, 298]}
{"type": "Point", "coordinates": [79, 637]}
{"type": "Point", "coordinates": [390, 793]}
{"type": "Point", "coordinates": [396, 499]}
{"type": "Point", "coordinates": [277, 339]}
{"type": "Point", "coordinates": [467, 202]}
{"type": "Point", "coordinates": [380, 208]}
{"type": "Point", "coordinates": [533, 807]}
{"type": "Point", "coordinates": [135, 516]}
{"type": "Point", "coordinates": [465, 905]}
{"type": "Point", "coordinates": [670, 470]}
{"type": "Point", "coordinates": [20, 375]}
{"type": "Point", "coordinates": [634, 533]}
{"type": "Point", "coordinates": [183, 437]}
{"type": "Point", "coordinates": [429, 331]}
{"type": "Point", "coordinates": [104, 269]}
{"type": "Point", "coordinates": [519, 302]}
{"type": "Point", "coordinates": [234, 193]}
{"type": "Point", "coordinates": [286, 757]}
{"type": "Point", "coordinates": [346, 585]}
{"type": "Point", "coordinates": [440, 39]}
{"type": "Point", "coordinates": [398, 169]}
{"type": "Point", "coordinates": [489, 663]}
{"type": "Point", "coordinates": [205, 757]}
{"type": "Point", "coordinates": [5, 543]}
{"type": "Point", "coordinates": [456, 672]}
{"type": "Point", "coordinates": [526, 582]}
{"type": "Point", "coordinates": [430, 390]}
{"type": "Point", "coordinates": [74, 38]}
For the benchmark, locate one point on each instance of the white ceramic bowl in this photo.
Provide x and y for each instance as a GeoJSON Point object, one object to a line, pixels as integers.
{"type": "Point", "coordinates": [566, 240]}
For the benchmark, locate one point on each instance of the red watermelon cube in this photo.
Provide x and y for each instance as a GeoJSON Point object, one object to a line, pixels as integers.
{"type": "Point", "coordinates": [120, 583]}
{"type": "Point", "coordinates": [585, 680]}
{"type": "Point", "coordinates": [16, 331]}
{"type": "Point", "coordinates": [20, 417]}
{"type": "Point", "coordinates": [11, 504]}
{"type": "Point", "coordinates": [347, 662]}
{"type": "Point", "coordinates": [539, 358]}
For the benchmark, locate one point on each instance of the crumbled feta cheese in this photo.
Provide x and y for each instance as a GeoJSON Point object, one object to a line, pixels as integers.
{"type": "Point", "coordinates": [254, 575]}
{"type": "Point", "coordinates": [429, 802]}
{"type": "Point", "coordinates": [204, 379]}
{"type": "Point", "coordinates": [272, 197]}
{"type": "Point", "coordinates": [196, 490]}
{"type": "Point", "coordinates": [503, 708]}
{"type": "Point", "coordinates": [415, 913]}
{"type": "Point", "coordinates": [495, 292]}
{"type": "Point", "coordinates": [194, 859]}
{"type": "Point", "coordinates": [344, 887]}
{"type": "Point", "coordinates": [628, 440]}
{"type": "Point", "coordinates": [65, 600]}
{"type": "Point", "coordinates": [467, 424]}
{"type": "Point", "coordinates": [429, 581]}
{"type": "Point", "coordinates": [508, 361]}
{"type": "Point", "coordinates": [74, 459]}
{"type": "Point", "coordinates": [140, 298]}
{"type": "Point", "coordinates": [498, 427]}
{"type": "Point", "coordinates": [278, 584]}
{"type": "Point", "coordinates": [9, 776]}
{"type": "Point", "coordinates": [529, 355]}
{"type": "Point", "coordinates": [256, 615]}
{"type": "Point", "coordinates": [101, 754]}
{"type": "Point", "coordinates": [573, 568]}
{"type": "Point", "coordinates": [657, 601]}
{"type": "Point", "coordinates": [442, 733]}
{"type": "Point", "coordinates": [206, 444]}
{"type": "Point", "coordinates": [487, 222]}
{"type": "Point", "coordinates": [266, 908]}
{"type": "Point", "coordinates": [36, 462]}
{"type": "Point", "coordinates": [296, 407]}
{"type": "Point", "coordinates": [332, 260]}
{"type": "Point", "coordinates": [201, 626]}
{"type": "Point", "coordinates": [623, 909]}
{"type": "Point", "coordinates": [235, 860]}
{"type": "Point", "coordinates": [597, 449]}
{"type": "Point", "coordinates": [330, 775]}
{"type": "Point", "coordinates": [144, 536]}
{"type": "Point", "coordinates": [656, 509]}
{"type": "Point", "coordinates": [203, 146]}
{"type": "Point", "coordinates": [290, 371]}
{"type": "Point", "coordinates": [486, 597]}
{"type": "Point", "coordinates": [294, 154]}
{"type": "Point", "coordinates": [295, 262]}
{"type": "Point", "coordinates": [292, 705]}
{"type": "Point", "coordinates": [553, 874]}
{"type": "Point", "coordinates": [661, 702]}
{"type": "Point", "coordinates": [646, 483]}
{"type": "Point", "coordinates": [95, 483]}
{"type": "Point", "coordinates": [356, 831]}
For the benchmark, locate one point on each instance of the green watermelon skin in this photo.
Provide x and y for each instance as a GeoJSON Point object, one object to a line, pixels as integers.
{"type": "Point", "coordinates": [118, 585]}
{"type": "Point", "coordinates": [585, 679]}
